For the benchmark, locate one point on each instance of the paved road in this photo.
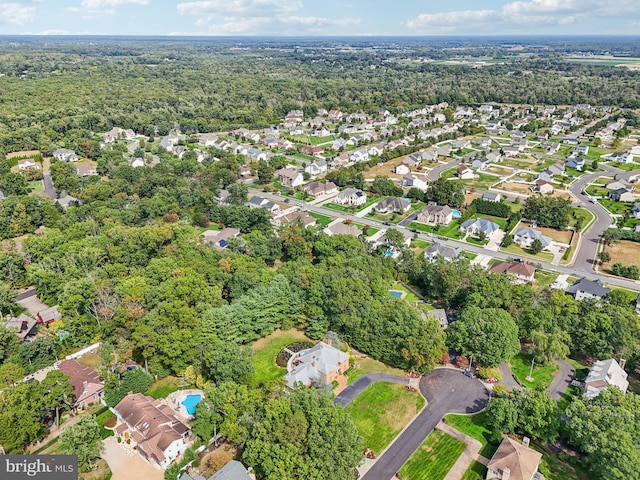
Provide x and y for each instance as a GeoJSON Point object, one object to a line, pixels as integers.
{"type": "Point", "coordinates": [349, 394]}
{"type": "Point", "coordinates": [29, 293]}
{"type": "Point", "coordinates": [435, 172]}
{"type": "Point", "coordinates": [447, 391]}
{"type": "Point", "coordinates": [562, 380]}
{"type": "Point", "coordinates": [48, 186]}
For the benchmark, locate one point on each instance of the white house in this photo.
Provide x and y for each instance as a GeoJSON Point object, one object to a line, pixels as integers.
{"type": "Point", "coordinates": [401, 169]}
{"type": "Point", "coordinates": [316, 168]}
{"type": "Point", "coordinates": [605, 373]}
{"type": "Point", "coordinates": [526, 236]}
{"type": "Point", "coordinates": [28, 164]}
{"type": "Point", "coordinates": [289, 178]}
{"type": "Point", "coordinates": [480, 226]}
{"type": "Point", "coordinates": [412, 181]}
{"type": "Point", "coordinates": [65, 155]}
{"type": "Point", "coordinates": [351, 196]}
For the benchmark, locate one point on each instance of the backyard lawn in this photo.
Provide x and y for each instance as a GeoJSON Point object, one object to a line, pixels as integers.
{"type": "Point", "coordinates": [265, 351]}
{"type": "Point", "coordinates": [476, 427]}
{"type": "Point", "coordinates": [163, 387]}
{"type": "Point", "coordinates": [476, 471]}
{"type": "Point", "coordinates": [382, 411]}
{"type": "Point", "coordinates": [410, 297]}
{"type": "Point", "coordinates": [322, 220]}
{"type": "Point", "coordinates": [542, 374]}
{"type": "Point", "coordinates": [365, 365]}
{"type": "Point", "coordinates": [434, 458]}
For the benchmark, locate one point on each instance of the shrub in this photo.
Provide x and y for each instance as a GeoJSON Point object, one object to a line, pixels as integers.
{"type": "Point", "coordinates": [489, 372]}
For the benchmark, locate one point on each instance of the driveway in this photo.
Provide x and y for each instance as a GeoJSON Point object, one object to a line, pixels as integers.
{"type": "Point", "coordinates": [48, 186]}
{"type": "Point", "coordinates": [447, 390]}
{"type": "Point", "coordinates": [562, 380]}
{"type": "Point", "coordinates": [125, 467]}
{"type": "Point", "coordinates": [347, 396]}
{"type": "Point", "coordinates": [507, 377]}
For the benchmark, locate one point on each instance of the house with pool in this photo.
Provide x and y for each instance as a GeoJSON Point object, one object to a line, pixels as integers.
{"type": "Point", "coordinates": [153, 428]}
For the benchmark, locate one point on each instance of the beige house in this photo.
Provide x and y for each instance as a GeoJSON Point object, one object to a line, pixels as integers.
{"type": "Point", "coordinates": [289, 178]}
{"type": "Point", "coordinates": [435, 215]}
{"type": "Point", "coordinates": [514, 461]}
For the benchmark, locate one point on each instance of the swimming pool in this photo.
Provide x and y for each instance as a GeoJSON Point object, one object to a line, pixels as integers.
{"type": "Point", "coordinates": [395, 293]}
{"type": "Point", "coordinates": [190, 403]}
{"type": "Point", "coordinates": [456, 213]}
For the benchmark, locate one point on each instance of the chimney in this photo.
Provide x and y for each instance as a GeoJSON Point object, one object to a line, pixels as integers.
{"type": "Point", "coordinates": [329, 342]}
{"type": "Point", "coordinates": [506, 473]}
{"type": "Point", "coordinates": [526, 441]}
{"type": "Point", "coordinates": [622, 362]}
{"type": "Point", "coordinates": [313, 364]}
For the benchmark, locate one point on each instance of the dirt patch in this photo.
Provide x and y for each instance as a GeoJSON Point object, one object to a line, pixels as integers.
{"type": "Point", "coordinates": [515, 187]}
{"type": "Point", "coordinates": [560, 236]}
{"type": "Point", "coordinates": [625, 252]}
{"type": "Point", "coordinates": [217, 459]}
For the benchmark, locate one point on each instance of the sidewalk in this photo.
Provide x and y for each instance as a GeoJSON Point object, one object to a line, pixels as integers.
{"type": "Point", "coordinates": [469, 454]}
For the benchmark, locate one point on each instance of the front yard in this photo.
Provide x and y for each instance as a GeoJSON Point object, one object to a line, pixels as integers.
{"type": "Point", "coordinates": [542, 374]}
{"type": "Point", "coordinates": [434, 458]}
{"type": "Point", "coordinates": [382, 411]}
{"type": "Point", "coordinates": [519, 252]}
{"type": "Point", "coordinates": [322, 220]}
{"type": "Point", "coordinates": [450, 231]}
{"type": "Point", "coordinates": [363, 365]}
{"type": "Point", "coordinates": [476, 427]}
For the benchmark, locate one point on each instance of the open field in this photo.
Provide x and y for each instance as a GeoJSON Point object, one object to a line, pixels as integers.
{"type": "Point", "coordinates": [542, 374]}
{"type": "Point", "coordinates": [434, 458]}
{"type": "Point", "coordinates": [625, 252]}
{"type": "Point", "coordinates": [266, 349]}
{"type": "Point", "coordinates": [385, 169]}
{"type": "Point", "coordinates": [476, 427]}
{"type": "Point", "coordinates": [382, 411]}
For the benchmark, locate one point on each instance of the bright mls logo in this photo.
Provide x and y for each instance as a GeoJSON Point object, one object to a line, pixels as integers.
{"type": "Point", "coordinates": [39, 467]}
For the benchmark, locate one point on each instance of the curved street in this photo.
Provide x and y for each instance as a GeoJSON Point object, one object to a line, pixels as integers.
{"type": "Point", "coordinates": [447, 390]}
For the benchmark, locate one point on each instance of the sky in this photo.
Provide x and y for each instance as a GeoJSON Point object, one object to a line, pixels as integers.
{"type": "Point", "coordinates": [319, 17]}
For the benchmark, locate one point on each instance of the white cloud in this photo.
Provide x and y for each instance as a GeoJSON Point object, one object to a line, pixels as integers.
{"type": "Point", "coordinates": [260, 17]}
{"type": "Point", "coordinates": [98, 4]}
{"type": "Point", "coordinates": [240, 8]}
{"type": "Point", "coordinates": [452, 19]}
{"type": "Point", "coordinates": [16, 14]}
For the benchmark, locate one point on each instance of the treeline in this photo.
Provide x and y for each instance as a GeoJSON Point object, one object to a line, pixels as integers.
{"type": "Point", "coordinates": [488, 207]}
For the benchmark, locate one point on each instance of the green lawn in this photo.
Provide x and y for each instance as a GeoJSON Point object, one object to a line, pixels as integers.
{"type": "Point", "coordinates": [434, 458]}
{"type": "Point", "coordinates": [596, 191]}
{"type": "Point", "coordinates": [410, 297]}
{"type": "Point", "coordinates": [583, 218]}
{"type": "Point", "coordinates": [476, 471]}
{"type": "Point", "coordinates": [544, 278]}
{"type": "Point", "coordinates": [475, 427]}
{"type": "Point", "coordinates": [618, 208]}
{"type": "Point", "coordinates": [317, 140]}
{"type": "Point", "coordinates": [364, 365]}
{"type": "Point", "coordinates": [212, 226]}
{"type": "Point", "coordinates": [519, 252]}
{"type": "Point", "coordinates": [450, 231]}
{"type": "Point", "coordinates": [451, 173]}
{"type": "Point", "coordinates": [542, 374]}
{"type": "Point", "coordinates": [163, 387]}
{"type": "Point", "coordinates": [102, 416]}
{"type": "Point", "coordinates": [322, 220]}
{"type": "Point", "coordinates": [382, 411]}
{"type": "Point", "coordinates": [37, 187]}
{"type": "Point", "coordinates": [417, 243]}
{"type": "Point", "coordinates": [625, 166]}
{"type": "Point", "coordinates": [477, 241]}
{"type": "Point", "coordinates": [266, 349]}
{"type": "Point", "coordinates": [483, 181]}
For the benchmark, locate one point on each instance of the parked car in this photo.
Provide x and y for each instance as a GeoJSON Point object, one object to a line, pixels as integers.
{"type": "Point", "coordinates": [469, 373]}
{"type": "Point", "coordinates": [492, 380]}
{"type": "Point", "coordinates": [386, 223]}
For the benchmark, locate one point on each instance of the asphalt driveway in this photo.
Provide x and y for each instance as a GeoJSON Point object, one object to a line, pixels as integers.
{"type": "Point", "coordinates": [562, 380]}
{"type": "Point", "coordinates": [347, 396]}
{"type": "Point", "coordinates": [447, 391]}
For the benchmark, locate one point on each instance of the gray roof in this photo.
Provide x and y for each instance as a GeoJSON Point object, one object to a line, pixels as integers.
{"type": "Point", "coordinates": [604, 373]}
{"type": "Point", "coordinates": [482, 225]}
{"type": "Point", "coordinates": [490, 196]}
{"type": "Point", "coordinates": [448, 253]}
{"type": "Point", "coordinates": [535, 234]}
{"type": "Point", "coordinates": [593, 287]}
{"type": "Point", "coordinates": [317, 361]}
{"type": "Point", "coordinates": [233, 470]}
{"type": "Point", "coordinates": [393, 203]}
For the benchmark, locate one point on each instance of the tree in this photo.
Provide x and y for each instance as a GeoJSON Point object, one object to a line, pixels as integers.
{"type": "Point", "coordinates": [226, 361]}
{"type": "Point", "coordinates": [490, 335]}
{"type": "Point", "coordinates": [304, 436]}
{"type": "Point", "coordinates": [238, 193]}
{"type": "Point", "coordinates": [507, 241]}
{"type": "Point", "coordinates": [446, 192]}
{"type": "Point", "coordinates": [136, 381]}
{"type": "Point", "coordinates": [548, 211]}
{"type": "Point", "coordinates": [536, 247]}
{"type": "Point", "coordinates": [56, 393]}
{"type": "Point", "coordinates": [385, 186]}
{"type": "Point", "coordinates": [10, 373]}
{"type": "Point", "coordinates": [604, 256]}
{"type": "Point", "coordinates": [82, 439]}
{"type": "Point", "coordinates": [395, 238]}
{"type": "Point", "coordinates": [265, 172]}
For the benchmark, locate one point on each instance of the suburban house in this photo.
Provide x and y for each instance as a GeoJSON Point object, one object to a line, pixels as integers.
{"type": "Point", "coordinates": [311, 150]}
{"type": "Point", "coordinates": [413, 181]}
{"type": "Point", "coordinates": [430, 155]}
{"type": "Point", "coordinates": [412, 160]}
{"type": "Point", "coordinates": [618, 184]}
{"type": "Point", "coordinates": [491, 197]}
{"type": "Point", "coordinates": [220, 239]}
{"type": "Point", "coordinates": [319, 365]}
{"type": "Point", "coordinates": [584, 288]}
{"type": "Point", "coordinates": [401, 169]}
{"type": "Point", "coordinates": [525, 237]}
{"type": "Point", "coordinates": [622, 195]}
{"type": "Point", "coordinates": [514, 461]}
{"type": "Point", "coordinates": [48, 315]}
{"type": "Point", "coordinates": [351, 196]}
{"type": "Point", "coordinates": [65, 155]}
{"type": "Point", "coordinates": [479, 226]}
{"type": "Point", "coordinates": [316, 168]}
{"type": "Point", "coordinates": [360, 155]}
{"type": "Point", "coordinates": [289, 178]}
{"type": "Point", "coordinates": [464, 173]}
{"type": "Point", "coordinates": [342, 229]}
{"type": "Point", "coordinates": [494, 157]}
{"type": "Point", "coordinates": [542, 187]}
{"type": "Point", "coordinates": [151, 424]}
{"type": "Point", "coordinates": [605, 373]}
{"type": "Point", "coordinates": [635, 210]}
{"type": "Point", "coordinates": [480, 164]}
{"type": "Point", "coordinates": [28, 164]}
{"type": "Point", "coordinates": [581, 150]}
{"type": "Point", "coordinates": [315, 189]}
{"type": "Point", "coordinates": [25, 327]}
{"type": "Point", "coordinates": [86, 171]}
{"type": "Point", "coordinates": [575, 162]}
{"type": "Point", "coordinates": [392, 204]}
{"type": "Point", "coordinates": [86, 383]}
{"type": "Point", "coordinates": [67, 201]}
{"type": "Point", "coordinates": [520, 272]}
{"type": "Point", "coordinates": [260, 202]}
{"type": "Point", "coordinates": [435, 250]}
{"type": "Point", "coordinates": [434, 214]}
{"type": "Point", "coordinates": [293, 217]}
{"type": "Point", "coordinates": [116, 133]}
{"type": "Point", "coordinates": [440, 315]}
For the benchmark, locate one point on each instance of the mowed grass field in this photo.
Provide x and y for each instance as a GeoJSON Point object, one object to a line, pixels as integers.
{"type": "Point", "coordinates": [625, 252]}
{"type": "Point", "coordinates": [542, 374]}
{"type": "Point", "coordinates": [476, 427]}
{"type": "Point", "coordinates": [382, 411]}
{"type": "Point", "coordinates": [265, 351]}
{"type": "Point", "coordinates": [434, 458]}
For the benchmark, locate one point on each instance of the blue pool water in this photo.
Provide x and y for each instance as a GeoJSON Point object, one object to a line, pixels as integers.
{"type": "Point", "coordinates": [190, 403]}
{"type": "Point", "coordinates": [456, 213]}
{"type": "Point", "coordinates": [395, 293]}
{"type": "Point", "coordinates": [388, 254]}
